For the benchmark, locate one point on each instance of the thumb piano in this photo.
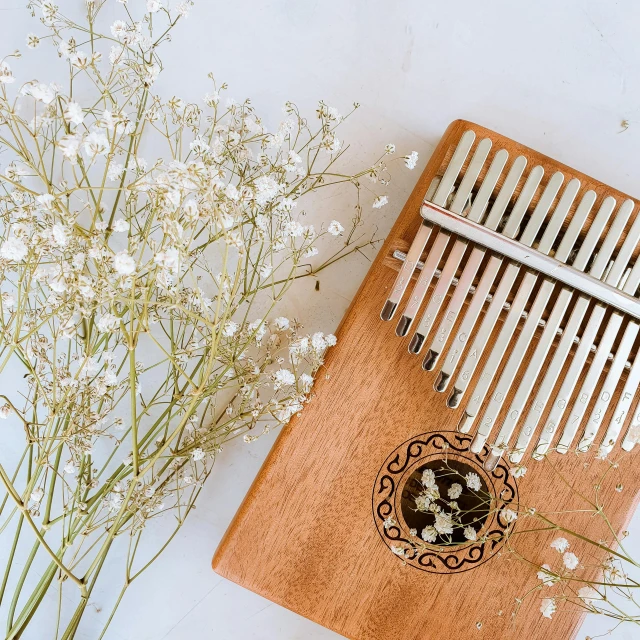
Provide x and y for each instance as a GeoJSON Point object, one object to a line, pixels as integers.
{"type": "Point", "coordinates": [497, 327]}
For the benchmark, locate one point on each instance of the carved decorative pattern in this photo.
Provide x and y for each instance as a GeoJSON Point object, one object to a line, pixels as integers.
{"type": "Point", "coordinates": [395, 471]}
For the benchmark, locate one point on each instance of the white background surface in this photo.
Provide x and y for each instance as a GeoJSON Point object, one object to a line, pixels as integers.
{"type": "Point", "coordinates": [557, 76]}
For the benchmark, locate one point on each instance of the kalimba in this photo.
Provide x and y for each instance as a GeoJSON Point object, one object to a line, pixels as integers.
{"type": "Point", "coordinates": [498, 326]}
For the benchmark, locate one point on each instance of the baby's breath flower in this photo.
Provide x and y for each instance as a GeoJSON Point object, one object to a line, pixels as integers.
{"type": "Point", "coordinates": [411, 160]}
{"type": "Point", "coordinates": [183, 8]}
{"type": "Point", "coordinates": [570, 560]}
{"type": "Point", "coordinates": [115, 171]}
{"type": "Point", "coordinates": [281, 324]}
{"type": "Point", "coordinates": [70, 145]}
{"type": "Point", "coordinates": [306, 381]}
{"type": "Point", "coordinates": [128, 283]}
{"type": "Point", "coordinates": [547, 576]}
{"type": "Point", "coordinates": [443, 523]}
{"type": "Point", "coordinates": [473, 481]}
{"type": "Point", "coordinates": [13, 249]}
{"type": "Point", "coordinates": [230, 329]}
{"type": "Point", "coordinates": [335, 228]}
{"type": "Point", "coordinates": [428, 479]}
{"type": "Point", "coordinates": [73, 113]}
{"type": "Point", "coordinates": [509, 515]}
{"type": "Point", "coordinates": [588, 594]}
{"type": "Point", "coordinates": [470, 533]}
{"type": "Point", "coordinates": [212, 99]}
{"type": "Point", "coordinates": [429, 534]}
{"type": "Point", "coordinates": [107, 322]}
{"type": "Point", "coordinates": [455, 491]}
{"type": "Point", "coordinates": [548, 607]}
{"type": "Point", "coordinates": [380, 201]}
{"type": "Point", "coordinates": [119, 29]}
{"type": "Point", "coordinates": [6, 75]}
{"type": "Point", "coordinates": [96, 144]}
{"type": "Point", "coordinates": [116, 54]}
{"type": "Point", "coordinates": [283, 378]}
{"type": "Point", "coordinates": [560, 545]}
{"type": "Point", "coordinates": [45, 93]}
{"type": "Point", "coordinates": [33, 41]}
{"type": "Point", "coordinates": [123, 263]}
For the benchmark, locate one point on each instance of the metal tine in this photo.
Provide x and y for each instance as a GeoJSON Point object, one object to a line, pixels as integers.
{"type": "Point", "coordinates": [590, 332]}
{"type": "Point", "coordinates": [624, 404]}
{"type": "Point", "coordinates": [497, 211]}
{"type": "Point", "coordinates": [606, 393]}
{"type": "Point", "coordinates": [630, 286]}
{"type": "Point", "coordinates": [551, 327]}
{"type": "Point", "coordinates": [570, 331]}
{"type": "Point", "coordinates": [491, 316]}
{"type": "Point", "coordinates": [457, 206]}
{"type": "Point", "coordinates": [628, 393]}
{"type": "Point", "coordinates": [470, 268]}
{"type": "Point", "coordinates": [533, 318]}
{"type": "Point", "coordinates": [440, 198]}
{"type": "Point", "coordinates": [457, 251]}
{"type": "Point", "coordinates": [517, 306]}
{"type": "Point", "coordinates": [484, 286]}
{"type": "Point", "coordinates": [605, 345]}
{"type": "Point", "coordinates": [413, 257]}
{"type": "Point", "coordinates": [469, 180]}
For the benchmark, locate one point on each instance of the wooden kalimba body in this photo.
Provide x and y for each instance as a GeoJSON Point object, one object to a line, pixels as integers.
{"type": "Point", "coordinates": [510, 336]}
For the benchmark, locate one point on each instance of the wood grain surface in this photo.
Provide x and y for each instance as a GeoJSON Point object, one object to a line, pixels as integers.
{"type": "Point", "coordinates": [305, 535]}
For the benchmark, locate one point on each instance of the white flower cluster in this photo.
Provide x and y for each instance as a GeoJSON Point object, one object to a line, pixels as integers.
{"type": "Point", "coordinates": [139, 298]}
{"type": "Point", "coordinates": [429, 500]}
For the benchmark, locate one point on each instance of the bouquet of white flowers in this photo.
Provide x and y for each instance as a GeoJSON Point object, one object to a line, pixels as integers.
{"type": "Point", "coordinates": [138, 306]}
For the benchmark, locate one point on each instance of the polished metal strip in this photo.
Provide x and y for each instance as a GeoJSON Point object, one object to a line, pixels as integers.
{"type": "Point", "coordinates": [531, 259]}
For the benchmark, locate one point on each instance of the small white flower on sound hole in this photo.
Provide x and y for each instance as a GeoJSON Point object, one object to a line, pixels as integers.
{"type": "Point", "coordinates": [429, 534]}
{"type": "Point", "coordinates": [444, 523]}
{"type": "Point", "coordinates": [429, 479]}
{"type": "Point", "coordinates": [473, 481]}
{"type": "Point", "coordinates": [470, 533]}
{"type": "Point", "coordinates": [455, 490]}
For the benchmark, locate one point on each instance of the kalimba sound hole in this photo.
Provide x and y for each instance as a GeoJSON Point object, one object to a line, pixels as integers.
{"type": "Point", "coordinates": [474, 504]}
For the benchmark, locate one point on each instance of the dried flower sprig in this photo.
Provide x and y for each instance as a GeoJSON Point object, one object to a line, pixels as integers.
{"type": "Point", "coordinates": [138, 308]}
{"type": "Point", "coordinates": [600, 577]}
